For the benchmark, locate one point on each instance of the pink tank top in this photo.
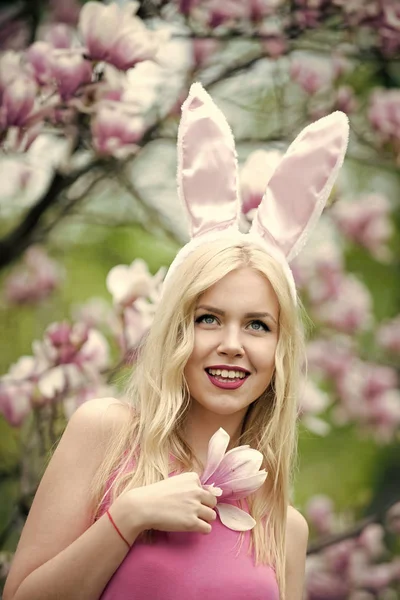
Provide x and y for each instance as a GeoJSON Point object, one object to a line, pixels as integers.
{"type": "Point", "coordinates": [191, 566]}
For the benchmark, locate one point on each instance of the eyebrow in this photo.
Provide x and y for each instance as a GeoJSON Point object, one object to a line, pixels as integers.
{"type": "Point", "coordinates": [250, 315]}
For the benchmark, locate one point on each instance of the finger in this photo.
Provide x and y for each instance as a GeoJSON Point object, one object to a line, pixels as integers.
{"type": "Point", "coordinates": [207, 514]}
{"type": "Point", "coordinates": [203, 527]}
{"type": "Point", "coordinates": [208, 499]}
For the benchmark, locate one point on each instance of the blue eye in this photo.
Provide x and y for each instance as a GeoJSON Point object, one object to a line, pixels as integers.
{"type": "Point", "coordinates": [260, 326]}
{"type": "Point", "coordinates": [207, 319]}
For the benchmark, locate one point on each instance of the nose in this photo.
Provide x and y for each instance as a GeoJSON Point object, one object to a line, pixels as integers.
{"type": "Point", "coordinates": [230, 343]}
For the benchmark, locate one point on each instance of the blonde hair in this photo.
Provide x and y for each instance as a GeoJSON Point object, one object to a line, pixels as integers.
{"type": "Point", "coordinates": [160, 398]}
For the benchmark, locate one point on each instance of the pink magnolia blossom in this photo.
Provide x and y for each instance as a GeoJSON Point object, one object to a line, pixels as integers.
{"type": "Point", "coordinates": [35, 280]}
{"type": "Point", "coordinates": [15, 175]}
{"type": "Point", "coordinates": [137, 320]}
{"type": "Point", "coordinates": [311, 76]}
{"type": "Point", "coordinates": [388, 335]}
{"type": "Point", "coordinates": [59, 35]}
{"type": "Point", "coordinates": [314, 401]}
{"type": "Point", "coordinates": [254, 177]}
{"type": "Point", "coordinates": [10, 69]}
{"type": "Point", "coordinates": [375, 578]}
{"type": "Point", "coordinates": [39, 56]}
{"type": "Point", "coordinates": [203, 50]}
{"type": "Point", "coordinates": [127, 283]}
{"type": "Point", "coordinates": [366, 221]}
{"type": "Point", "coordinates": [330, 358]}
{"type": "Point", "coordinates": [346, 100]}
{"type": "Point", "coordinates": [274, 41]}
{"type": "Point", "coordinates": [15, 401]}
{"type": "Point", "coordinates": [319, 512]}
{"type": "Point", "coordinates": [68, 359]}
{"type": "Point", "coordinates": [113, 34]}
{"type": "Point", "coordinates": [65, 12]}
{"type": "Point", "coordinates": [97, 313]}
{"type": "Point", "coordinates": [65, 68]}
{"type": "Point", "coordinates": [116, 129]}
{"type": "Point", "coordinates": [216, 13]}
{"type": "Point", "coordinates": [18, 102]}
{"type": "Point", "coordinates": [384, 114]}
{"type": "Point", "coordinates": [69, 71]}
{"type": "Point", "coordinates": [319, 269]}
{"type": "Point", "coordinates": [76, 344]}
{"type": "Point", "coordinates": [354, 311]}
{"type": "Point", "coordinates": [371, 540]}
{"type": "Point", "coordinates": [320, 584]}
{"type": "Point", "coordinates": [392, 520]}
{"type": "Point", "coordinates": [232, 476]}
{"type": "Point", "coordinates": [369, 396]}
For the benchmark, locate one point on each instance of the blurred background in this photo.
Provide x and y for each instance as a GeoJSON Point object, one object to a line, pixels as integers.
{"type": "Point", "coordinates": [90, 97]}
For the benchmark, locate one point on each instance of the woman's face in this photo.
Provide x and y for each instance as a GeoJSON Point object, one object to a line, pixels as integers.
{"type": "Point", "coordinates": [236, 333]}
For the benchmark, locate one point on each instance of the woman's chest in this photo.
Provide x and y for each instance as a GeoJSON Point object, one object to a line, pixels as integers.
{"type": "Point", "coordinates": [192, 566]}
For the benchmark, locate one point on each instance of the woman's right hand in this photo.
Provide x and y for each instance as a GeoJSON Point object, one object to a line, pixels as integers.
{"type": "Point", "coordinates": [178, 503]}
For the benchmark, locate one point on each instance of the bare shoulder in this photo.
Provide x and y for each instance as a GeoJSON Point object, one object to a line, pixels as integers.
{"type": "Point", "coordinates": [297, 526]}
{"type": "Point", "coordinates": [100, 415]}
{"type": "Point", "coordinates": [296, 550]}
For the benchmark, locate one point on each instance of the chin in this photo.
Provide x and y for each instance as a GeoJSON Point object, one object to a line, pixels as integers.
{"type": "Point", "coordinates": [222, 406]}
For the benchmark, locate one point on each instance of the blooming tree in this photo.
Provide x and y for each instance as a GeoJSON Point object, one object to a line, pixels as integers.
{"type": "Point", "coordinates": [86, 91]}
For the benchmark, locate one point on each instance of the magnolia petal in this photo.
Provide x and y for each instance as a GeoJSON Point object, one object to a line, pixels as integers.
{"type": "Point", "coordinates": [234, 517]}
{"type": "Point", "coordinates": [235, 465]}
{"type": "Point", "coordinates": [216, 450]}
{"type": "Point", "coordinates": [117, 281]}
{"type": "Point", "coordinates": [216, 491]}
{"type": "Point", "coordinates": [240, 488]}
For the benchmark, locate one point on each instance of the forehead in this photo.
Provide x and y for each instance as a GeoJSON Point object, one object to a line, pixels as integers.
{"type": "Point", "coordinates": [243, 290]}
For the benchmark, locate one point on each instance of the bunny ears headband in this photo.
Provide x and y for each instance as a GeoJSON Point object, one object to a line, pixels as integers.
{"type": "Point", "coordinates": [295, 196]}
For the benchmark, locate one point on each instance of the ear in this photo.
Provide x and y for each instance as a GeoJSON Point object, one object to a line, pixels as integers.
{"type": "Point", "coordinates": [299, 188]}
{"type": "Point", "coordinates": [207, 165]}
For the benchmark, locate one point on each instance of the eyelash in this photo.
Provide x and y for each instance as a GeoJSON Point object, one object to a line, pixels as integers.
{"type": "Point", "coordinates": [202, 317]}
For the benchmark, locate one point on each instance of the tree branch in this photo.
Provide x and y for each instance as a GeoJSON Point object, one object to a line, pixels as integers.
{"type": "Point", "coordinates": [350, 533]}
{"type": "Point", "coordinates": [16, 242]}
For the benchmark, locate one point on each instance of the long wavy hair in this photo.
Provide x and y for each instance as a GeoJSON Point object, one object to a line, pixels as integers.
{"type": "Point", "coordinates": [159, 399]}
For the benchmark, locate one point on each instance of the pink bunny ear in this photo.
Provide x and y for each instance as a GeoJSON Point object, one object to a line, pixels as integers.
{"type": "Point", "coordinates": [299, 188]}
{"type": "Point", "coordinates": [207, 165]}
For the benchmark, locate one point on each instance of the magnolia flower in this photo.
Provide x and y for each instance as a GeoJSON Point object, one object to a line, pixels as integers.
{"type": "Point", "coordinates": [116, 128]}
{"type": "Point", "coordinates": [314, 401]}
{"type": "Point", "coordinates": [311, 75]}
{"type": "Point", "coordinates": [18, 101]}
{"type": "Point", "coordinates": [70, 70]}
{"type": "Point", "coordinates": [366, 221]}
{"type": "Point", "coordinates": [232, 476]}
{"type": "Point", "coordinates": [35, 280]}
{"type": "Point", "coordinates": [114, 34]}
{"type": "Point", "coordinates": [15, 401]}
{"type": "Point", "coordinates": [320, 514]}
{"type": "Point", "coordinates": [127, 283]}
{"type": "Point", "coordinates": [388, 335]}
{"type": "Point", "coordinates": [384, 113]}
{"type": "Point", "coordinates": [354, 311]}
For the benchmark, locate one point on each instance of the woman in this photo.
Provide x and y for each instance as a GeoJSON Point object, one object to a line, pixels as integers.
{"type": "Point", "coordinates": [121, 508]}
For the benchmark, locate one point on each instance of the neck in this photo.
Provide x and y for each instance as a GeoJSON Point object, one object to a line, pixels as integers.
{"type": "Point", "coordinates": [201, 425]}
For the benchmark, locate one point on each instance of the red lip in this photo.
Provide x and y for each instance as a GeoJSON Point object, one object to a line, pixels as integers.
{"type": "Point", "coordinates": [226, 385]}
{"type": "Point", "coordinates": [229, 368]}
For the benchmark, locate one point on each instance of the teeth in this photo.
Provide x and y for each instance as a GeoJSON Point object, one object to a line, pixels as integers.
{"type": "Point", "coordinates": [227, 374]}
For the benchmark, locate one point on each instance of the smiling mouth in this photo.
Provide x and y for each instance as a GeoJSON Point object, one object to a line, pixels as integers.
{"type": "Point", "coordinates": [226, 376]}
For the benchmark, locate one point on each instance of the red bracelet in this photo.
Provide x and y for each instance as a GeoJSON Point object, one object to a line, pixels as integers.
{"type": "Point", "coordinates": [117, 530]}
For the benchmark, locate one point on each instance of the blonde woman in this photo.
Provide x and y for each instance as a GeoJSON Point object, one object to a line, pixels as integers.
{"type": "Point", "coordinates": [121, 512]}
